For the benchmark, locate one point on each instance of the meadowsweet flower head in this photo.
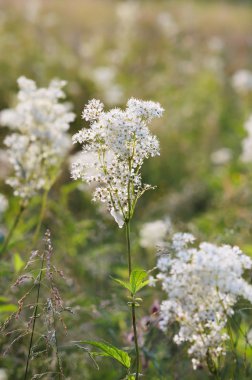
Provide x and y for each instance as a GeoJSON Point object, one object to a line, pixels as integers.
{"type": "Point", "coordinates": [118, 142]}
{"type": "Point", "coordinates": [40, 140]}
{"type": "Point", "coordinates": [202, 284]}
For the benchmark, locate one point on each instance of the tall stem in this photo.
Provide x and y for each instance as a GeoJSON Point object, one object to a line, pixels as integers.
{"type": "Point", "coordinates": [133, 308]}
{"type": "Point", "coordinates": [41, 217]}
{"type": "Point", "coordinates": [12, 229]}
{"type": "Point", "coordinates": [34, 318]}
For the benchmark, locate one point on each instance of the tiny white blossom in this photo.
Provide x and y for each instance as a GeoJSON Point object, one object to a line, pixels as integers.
{"type": "Point", "coordinates": [92, 111]}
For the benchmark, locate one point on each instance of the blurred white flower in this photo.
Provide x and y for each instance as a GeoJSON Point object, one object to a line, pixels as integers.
{"type": "Point", "coordinates": [4, 164]}
{"type": "Point", "coordinates": [127, 12]}
{"type": "Point", "coordinates": [3, 374]}
{"type": "Point", "coordinates": [249, 336]}
{"type": "Point", "coordinates": [216, 44]}
{"type": "Point", "coordinates": [3, 203]}
{"type": "Point", "coordinates": [242, 81]}
{"type": "Point", "coordinates": [154, 233]}
{"type": "Point", "coordinates": [40, 141]}
{"type": "Point", "coordinates": [104, 75]}
{"type": "Point", "coordinates": [105, 79]}
{"type": "Point", "coordinates": [32, 10]}
{"type": "Point", "coordinates": [221, 156]}
{"type": "Point", "coordinates": [167, 24]}
{"type": "Point", "coordinates": [152, 281]}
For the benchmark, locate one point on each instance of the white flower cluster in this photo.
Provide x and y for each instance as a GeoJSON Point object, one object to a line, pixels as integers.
{"type": "Point", "coordinates": [203, 284]}
{"type": "Point", "coordinates": [40, 140]}
{"type": "Point", "coordinates": [247, 142]}
{"type": "Point", "coordinates": [114, 149]}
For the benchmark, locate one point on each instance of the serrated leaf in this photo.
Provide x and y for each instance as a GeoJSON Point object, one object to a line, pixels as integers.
{"type": "Point", "coordinates": [18, 262]}
{"type": "Point", "coordinates": [142, 285]}
{"type": "Point", "coordinates": [137, 280]}
{"type": "Point", "coordinates": [124, 284]}
{"type": "Point", "coordinates": [110, 351]}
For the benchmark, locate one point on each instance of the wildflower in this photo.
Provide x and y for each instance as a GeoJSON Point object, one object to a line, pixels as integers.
{"type": "Point", "coordinates": [118, 142]}
{"type": "Point", "coordinates": [40, 141]}
{"type": "Point", "coordinates": [93, 110]}
{"type": "Point", "coordinates": [202, 285]}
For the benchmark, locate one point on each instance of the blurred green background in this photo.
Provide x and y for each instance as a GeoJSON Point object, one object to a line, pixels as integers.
{"type": "Point", "coordinates": [182, 54]}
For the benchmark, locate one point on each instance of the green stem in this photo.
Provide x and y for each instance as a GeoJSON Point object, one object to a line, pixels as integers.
{"type": "Point", "coordinates": [34, 318]}
{"type": "Point", "coordinates": [13, 227]}
{"type": "Point", "coordinates": [41, 217]}
{"type": "Point", "coordinates": [230, 334]}
{"type": "Point", "coordinates": [128, 247]}
{"type": "Point", "coordinates": [133, 308]}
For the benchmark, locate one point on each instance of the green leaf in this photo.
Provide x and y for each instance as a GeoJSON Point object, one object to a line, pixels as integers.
{"type": "Point", "coordinates": [18, 262]}
{"type": "Point", "coordinates": [137, 280]}
{"type": "Point", "coordinates": [124, 284]}
{"type": "Point", "coordinates": [8, 308]}
{"type": "Point", "coordinates": [110, 351]}
{"type": "Point", "coordinates": [4, 299]}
